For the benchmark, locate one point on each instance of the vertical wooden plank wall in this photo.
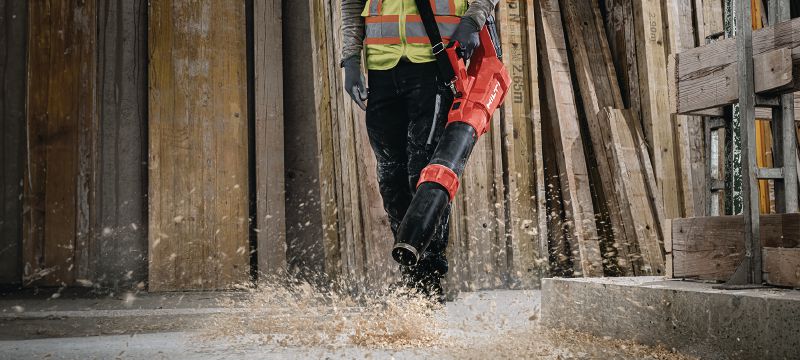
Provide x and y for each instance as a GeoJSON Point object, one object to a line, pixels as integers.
{"type": "Point", "coordinates": [61, 119]}
{"type": "Point", "coordinates": [198, 133]}
{"type": "Point", "coordinates": [270, 185]}
{"type": "Point", "coordinates": [13, 23]}
{"type": "Point", "coordinates": [117, 253]}
{"type": "Point", "coordinates": [359, 250]}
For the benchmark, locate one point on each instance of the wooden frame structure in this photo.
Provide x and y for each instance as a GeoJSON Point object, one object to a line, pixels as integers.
{"type": "Point", "coordinates": [763, 80]}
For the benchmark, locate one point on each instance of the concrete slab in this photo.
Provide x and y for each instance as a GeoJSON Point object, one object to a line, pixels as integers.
{"type": "Point", "coordinates": [691, 317]}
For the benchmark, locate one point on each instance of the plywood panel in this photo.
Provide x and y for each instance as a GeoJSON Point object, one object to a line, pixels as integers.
{"type": "Point", "coordinates": [61, 124]}
{"type": "Point", "coordinates": [13, 15]}
{"type": "Point", "coordinates": [198, 231]}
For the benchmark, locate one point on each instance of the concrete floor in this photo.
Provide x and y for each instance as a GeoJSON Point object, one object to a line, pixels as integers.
{"type": "Point", "coordinates": [493, 324]}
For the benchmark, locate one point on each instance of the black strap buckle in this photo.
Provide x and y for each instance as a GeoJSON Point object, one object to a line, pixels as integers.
{"type": "Point", "coordinates": [438, 48]}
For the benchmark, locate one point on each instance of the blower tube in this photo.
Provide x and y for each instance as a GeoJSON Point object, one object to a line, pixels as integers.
{"type": "Point", "coordinates": [426, 209]}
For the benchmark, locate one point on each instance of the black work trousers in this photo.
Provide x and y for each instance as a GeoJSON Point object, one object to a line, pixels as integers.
{"type": "Point", "coordinates": [406, 116]}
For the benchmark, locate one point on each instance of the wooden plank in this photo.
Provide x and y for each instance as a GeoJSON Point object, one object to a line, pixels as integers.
{"type": "Point", "coordinates": [13, 46]}
{"type": "Point", "coordinates": [782, 266]}
{"type": "Point", "coordinates": [198, 131]}
{"type": "Point", "coordinates": [61, 111]}
{"type": "Point", "coordinates": [539, 184]}
{"type": "Point", "coordinates": [713, 22]}
{"type": "Point", "coordinates": [312, 232]}
{"type": "Point", "coordinates": [117, 253]}
{"type": "Point", "coordinates": [706, 77]}
{"type": "Point", "coordinates": [598, 87]}
{"type": "Point", "coordinates": [689, 132]}
{"type": "Point", "coordinates": [568, 143]}
{"type": "Point", "coordinates": [519, 123]}
{"type": "Point", "coordinates": [558, 246]}
{"type": "Point", "coordinates": [655, 115]}
{"type": "Point", "coordinates": [270, 184]}
{"type": "Point", "coordinates": [711, 248]}
{"type": "Point", "coordinates": [634, 203]}
{"type": "Point", "coordinates": [621, 33]}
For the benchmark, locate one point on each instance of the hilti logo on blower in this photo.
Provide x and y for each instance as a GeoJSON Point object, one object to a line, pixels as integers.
{"type": "Point", "coordinates": [494, 95]}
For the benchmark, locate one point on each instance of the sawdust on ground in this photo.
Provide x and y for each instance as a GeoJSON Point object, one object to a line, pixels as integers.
{"type": "Point", "coordinates": [301, 315]}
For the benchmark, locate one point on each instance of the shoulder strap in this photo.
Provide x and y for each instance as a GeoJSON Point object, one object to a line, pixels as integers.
{"type": "Point", "coordinates": [429, 21]}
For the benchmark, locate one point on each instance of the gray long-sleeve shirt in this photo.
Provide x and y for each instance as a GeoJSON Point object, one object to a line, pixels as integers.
{"type": "Point", "coordinates": [353, 23]}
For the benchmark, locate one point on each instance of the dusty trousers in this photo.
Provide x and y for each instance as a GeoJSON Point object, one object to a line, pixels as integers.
{"type": "Point", "coordinates": [406, 116]}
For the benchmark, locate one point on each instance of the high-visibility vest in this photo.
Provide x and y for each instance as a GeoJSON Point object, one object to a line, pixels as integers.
{"type": "Point", "coordinates": [394, 30]}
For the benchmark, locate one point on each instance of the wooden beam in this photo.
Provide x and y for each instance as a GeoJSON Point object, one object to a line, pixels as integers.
{"type": "Point", "coordinates": [117, 254]}
{"type": "Point", "coordinates": [13, 47]}
{"type": "Point", "coordinates": [706, 77]}
{"type": "Point", "coordinates": [655, 115]}
{"type": "Point", "coordinates": [711, 248]}
{"type": "Point", "coordinates": [521, 139]}
{"type": "Point", "coordinates": [635, 206]}
{"type": "Point", "coordinates": [198, 131]}
{"type": "Point", "coordinates": [582, 232]}
{"type": "Point", "coordinates": [270, 185]}
{"type": "Point", "coordinates": [597, 82]}
{"type": "Point", "coordinates": [782, 266]}
{"type": "Point", "coordinates": [61, 122]}
{"type": "Point", "coordinates": [689, 131]}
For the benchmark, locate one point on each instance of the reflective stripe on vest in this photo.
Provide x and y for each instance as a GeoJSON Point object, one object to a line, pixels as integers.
{"type": "Point", "coordinates": [384, 29]}
{"type": "Point", "coordinates": [375, 7]}
{"type": "Point", "coordinates": [415, 29]}
{"type": "Point", "coordinates": [442, 7]}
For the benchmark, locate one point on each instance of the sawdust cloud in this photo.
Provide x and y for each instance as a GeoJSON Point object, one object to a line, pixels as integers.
{"type": "Point", "coordinates": [299, 313]}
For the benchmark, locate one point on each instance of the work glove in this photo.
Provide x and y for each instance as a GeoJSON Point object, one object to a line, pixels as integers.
{"type": "Point", "coordinates": [354, 82]}
{"type": "Point", "coordinates": [467, 36]}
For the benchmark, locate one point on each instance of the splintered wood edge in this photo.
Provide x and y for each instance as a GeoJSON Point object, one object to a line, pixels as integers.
{"type": "Point", "coordinates": [672, 89]}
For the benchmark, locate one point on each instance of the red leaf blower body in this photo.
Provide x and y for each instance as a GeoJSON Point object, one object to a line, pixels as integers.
{"type": "Point", "coordinates": [479, 90]}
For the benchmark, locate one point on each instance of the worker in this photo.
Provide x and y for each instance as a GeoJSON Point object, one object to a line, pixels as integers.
{"type": "Point", "coordinates": [406, 102]}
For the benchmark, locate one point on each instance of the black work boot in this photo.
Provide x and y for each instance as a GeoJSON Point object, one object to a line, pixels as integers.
{"type": "Point", "coordinates": [423, 281]}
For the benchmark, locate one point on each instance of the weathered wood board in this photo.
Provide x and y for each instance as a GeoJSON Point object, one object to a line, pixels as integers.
{"type": "Point", "coordinates": [269, 131]}
{"type": "Point", "coordinates": [598, 88]}
{"type": "Point", "coordinates": [658, 127]}
{"type": "Point", "coordinates": [573, 173]}
{"type": "Point", "coordinates": [61, 122]}
{"type": "Point", "coordinates": [706, 77]}
{"type": "Point", "coordinates": [117, 251]}
{"type": "Point", "coordinates": [198, 133]}
{"type": "Point", "coordinates": [635, 204]}
{"type": "Point", "coordinates": [526, 224]}
{"type": "Point", "coordinates": [782, 266]}
{"type": "Point", "coordinates": [689, 131]}
{"type": "Point", "coordinates": [711, 248]}
{"type": "Point", "coordinates": [13, 43]}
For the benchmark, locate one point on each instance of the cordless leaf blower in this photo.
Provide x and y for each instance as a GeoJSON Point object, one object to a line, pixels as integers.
{"type": "Point", "coordinates": [478, 91]}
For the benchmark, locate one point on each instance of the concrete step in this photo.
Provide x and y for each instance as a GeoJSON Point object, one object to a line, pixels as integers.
{"type": "Point", "coordinates": [691, 317]}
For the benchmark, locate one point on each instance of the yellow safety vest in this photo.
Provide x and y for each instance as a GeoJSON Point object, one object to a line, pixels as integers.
{"type": "Point", "coordinates": [394, 30]}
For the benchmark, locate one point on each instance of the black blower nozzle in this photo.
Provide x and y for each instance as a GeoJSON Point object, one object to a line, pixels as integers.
{"type": "Point", "coordinates": [425, 212]}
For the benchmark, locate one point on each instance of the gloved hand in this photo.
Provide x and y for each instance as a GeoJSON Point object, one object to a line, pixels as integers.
{"type": "Point", "coordinates": [467, 36]}
{"type": "Point", "coordinates": [354, 82]}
